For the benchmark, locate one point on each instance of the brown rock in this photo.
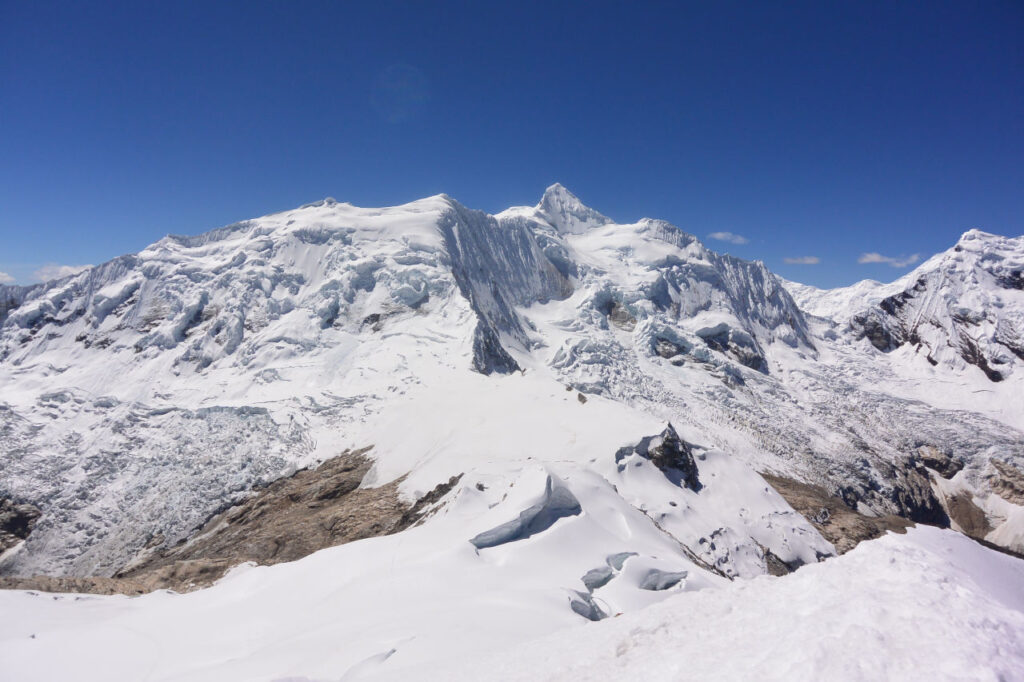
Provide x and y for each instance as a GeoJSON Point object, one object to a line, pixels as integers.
{"type": "Point", "coordinates": [1007, 482]}
{"type": "Point", "coordinates": [285, 521]}
{"type": "Point", "coordinates": [968, 516]}
{"type": "Point", "coordinates": [844, 527]}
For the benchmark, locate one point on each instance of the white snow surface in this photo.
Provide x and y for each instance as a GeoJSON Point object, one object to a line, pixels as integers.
{"type": "Point", "coordinates": [928, 605]}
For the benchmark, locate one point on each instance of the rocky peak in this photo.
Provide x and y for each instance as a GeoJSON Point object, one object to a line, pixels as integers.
{"type": "Point", "coordinates": [567, 213]}
{"type": "Point", "coordinates": [671, 454]}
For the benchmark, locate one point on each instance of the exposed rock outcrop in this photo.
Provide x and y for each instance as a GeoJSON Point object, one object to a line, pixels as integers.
{"type": "Point", "coordinates": [968, 516]}
{"type": "Point", "coordinates": [671, 454]}
{"type": "Point", "coordinates": [1007, 482]}
{"type": "Point", "coordinates": [912, 493]}
{"type": "Point", "coordinates": [289, 519]}
{"type": "Point", "coordinates": [941, 462]}
{"type": "Point", "coordinates": [619, 315]}
{"type": "Point", "coordinates": [488, 353]}
{"type": "Point", "coordinates": [844, 527]}
{"type": "Point", "coordinates": [285, 521]}
{"type": "Point", "coordinates": [46, 583]}
{"type": "Point", "coordinates": [739, 344]}
{"type": "Point", "coordinates": [666, 348]}
{"type": "Point", "coordinates": [16, 522]}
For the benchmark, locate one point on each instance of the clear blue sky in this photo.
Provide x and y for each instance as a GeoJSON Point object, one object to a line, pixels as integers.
{"type": "Point", "coordinates": [821, 129]}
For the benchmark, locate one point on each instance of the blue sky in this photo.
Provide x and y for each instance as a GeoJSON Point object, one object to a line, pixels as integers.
{"type": "Point", "coordinates": [813, 130]}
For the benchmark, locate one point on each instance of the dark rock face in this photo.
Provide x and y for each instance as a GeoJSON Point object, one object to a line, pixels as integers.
{"type": "Point", "coordinates": [775, 565]}
{"type": "Point", "coordinates": [418, 511]}
{"type": "Point", "coordinates": [875, 330]}
{"type": "Point", "coordinates": [751, 358]}
{"type": "Point", "coordinates": [12, 296]}
{"type": "Point", "coordinates": [618, 315]}
{"type": "Point", "coordinates": [904, 486]}
{"type": "Point", "coordinates": [16, 522]}
{"type": "Point", "coordinates": [946, 466]}
{"type": "Point", "coordinates": [373, 320]}
{"type": "Point", "coordinates": [970, 352]}
{"type": "Point", "coordinates": [1010, 337]}
{"type": "Point", "coordinates": [968, 516]}
{"type": "Point", "coordinates": [719, 342]}
{"type": "Point", "coordinates": [912, 493]}
{"type": "Point", "coordinates": [667, 349]}
{"type": "Point", "coordinates": [837, 522]}
{"type": "Point", "coordinates": [488, 353]}
{"type": "Point", "coordinates": [883, 325]}
{"type": "Point", "coordinates": [1012, 280]}
{"type": "Point", "coordinates": [671, 454]}
{"type": "Point", "coordinates": [740, 346]}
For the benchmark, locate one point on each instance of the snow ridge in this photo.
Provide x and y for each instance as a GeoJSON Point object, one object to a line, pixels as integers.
{"type": "Point", "coordinates": [566, 213]}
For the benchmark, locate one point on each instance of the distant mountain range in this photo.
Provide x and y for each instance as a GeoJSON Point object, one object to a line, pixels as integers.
{"type": "Point", "coordinates": [581, 414]}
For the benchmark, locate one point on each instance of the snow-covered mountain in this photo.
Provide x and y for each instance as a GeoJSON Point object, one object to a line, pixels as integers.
{"type": "Point", "coordinates": [963, 306]}
{"type": "Point", "coordinates": [582, 414]}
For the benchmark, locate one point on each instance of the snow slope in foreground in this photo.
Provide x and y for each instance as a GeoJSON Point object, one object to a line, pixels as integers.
{"type": "Point", "coordinates": [929, 605]}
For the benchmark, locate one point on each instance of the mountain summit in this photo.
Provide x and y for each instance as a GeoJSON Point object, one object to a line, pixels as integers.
{"type": "Point", "coordinates": [566, 212]}
{"type": "Point", "coordinates": [962, 307]}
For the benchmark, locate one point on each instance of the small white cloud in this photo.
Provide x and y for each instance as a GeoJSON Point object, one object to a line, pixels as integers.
{"type": "Point", "coordinates": [901, 262]}
{"type": "Point", "coordinates": [5, 278]}
{"type": "Point", "coordinates": [53, 271]}
{"type": "Point", "coordinates": [728, 237]}
{"type": "Point", "coordinates": [802, 260]}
